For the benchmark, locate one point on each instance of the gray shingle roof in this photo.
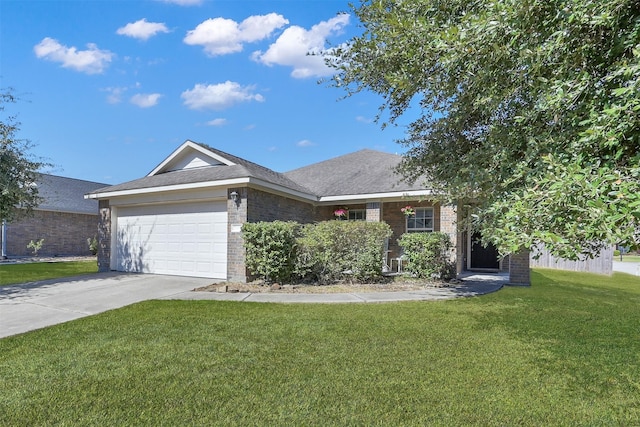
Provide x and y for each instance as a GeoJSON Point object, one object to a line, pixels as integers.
{"type": "Point", "coordinates": [66, 194]}
{"type": "Point", "coordinates": [241, 169]}
{"type": "Point", "coordinates": [363, 172]}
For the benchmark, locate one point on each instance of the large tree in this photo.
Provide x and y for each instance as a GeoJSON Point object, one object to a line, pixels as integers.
{"type": "Point", "coordinates": [18, 169]}
{"type": "Point", "coordinates": [530, 109]}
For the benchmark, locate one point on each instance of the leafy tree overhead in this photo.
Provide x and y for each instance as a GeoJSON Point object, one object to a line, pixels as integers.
{"type": "Point", "coordinates": [18, 170]}
{"type": "Point", "coordinates": [530, 109]}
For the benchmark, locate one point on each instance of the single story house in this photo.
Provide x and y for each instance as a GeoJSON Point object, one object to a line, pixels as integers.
{"type": "Point", "coordinates": [65, 219]}
{"type": "Point", "coordinates": [185, 216]}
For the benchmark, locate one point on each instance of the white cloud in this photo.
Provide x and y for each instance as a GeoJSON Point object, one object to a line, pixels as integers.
{"type": "Point", "coordinates": [115, 94]}
{"type": "Point", "coordinates": [217, 122]}
{"type": "Point", "coordinates": [184, 2]}
{"type": "Point", "coordinates": [90, 61]}
{"type": "Point", "coordinates": [219, 96]}
{"type": "Point", "coordinates": [221, 36]}
{"type": "Point", "coordinates": [305, 143]}
{"type": "Point", "coordinates": [304, 50]}
{"type": "Point", "coordinates": [363, 119]}
{"type": "Point", "coordinates": [142, 29]}
{"type": "Point", "coordinates": [145, 100]}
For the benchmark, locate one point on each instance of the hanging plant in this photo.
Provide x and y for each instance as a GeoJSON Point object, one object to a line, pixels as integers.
{"type": "Point", "coordinates": [341, 213]}
{"type": "Point", "coordinates": [408, 210]}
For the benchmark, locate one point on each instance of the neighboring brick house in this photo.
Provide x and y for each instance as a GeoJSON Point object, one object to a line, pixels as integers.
{"type": "Point", "coordinates": [64, 219]}
{"type": "Point", "coordinates": [185, 216]}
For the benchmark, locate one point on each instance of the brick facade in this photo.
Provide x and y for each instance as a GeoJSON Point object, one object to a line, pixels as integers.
{"type": "Point", "coordinates": [374, 211]}
{"type": "Point", "coordinates": [64, 234]}
{"type": "Point", "coordinates": [104, 236]}
{"type": "Point", "coordinates": [237, 216]}
{"type": "Point", "coordinates": [519, 271]}
{"type": "Point", "coordinates": [263, 206]}
{"type": "Point", "coordinates": [254, 205]}
{"type": "Point", "coordinates": [393, 216]}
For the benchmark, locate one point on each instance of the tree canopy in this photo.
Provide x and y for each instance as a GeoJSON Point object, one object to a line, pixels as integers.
{"type": "Point", "coordinates": [18, 170]}
{"type": "Point", "coordinates": [530, 109]}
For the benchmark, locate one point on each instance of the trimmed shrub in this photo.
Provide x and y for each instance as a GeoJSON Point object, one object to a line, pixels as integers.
{"type": "Point", "coordinates": [428, 255]}
{"type": "Point", "coordinates": [271, 249]}
{"type": "Point", "coordinates": [334, 250]}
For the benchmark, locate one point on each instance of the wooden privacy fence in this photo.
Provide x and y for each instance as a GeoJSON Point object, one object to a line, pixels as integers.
{"type": "Point", "coordinates": [601, 264]}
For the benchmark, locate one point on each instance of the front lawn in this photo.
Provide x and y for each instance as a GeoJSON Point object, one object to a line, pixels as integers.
{"type": "Point", "coordinates": [31, 272]}
{"type": "Point", "coordinates": [627, 258]}
{"type": "Point", "coordinates": [565, 351]}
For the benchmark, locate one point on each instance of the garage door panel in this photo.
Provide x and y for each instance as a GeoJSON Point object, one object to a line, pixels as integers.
{"type": "Point", "coordinates": [181, 239]}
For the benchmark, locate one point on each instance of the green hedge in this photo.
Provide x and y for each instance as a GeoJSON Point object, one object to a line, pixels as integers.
{"type": "Point", "coordinates": [271, 249]}
{"type": "Point", "coordinates": [428, 255]}
{"type": "Point", "coordinates": [323, 252]}
{"type": "Point", "coordinates": [337, 250]}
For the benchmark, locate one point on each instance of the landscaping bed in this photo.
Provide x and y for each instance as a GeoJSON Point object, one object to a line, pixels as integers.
{"type": "Point", "coordinates": [393, 284]}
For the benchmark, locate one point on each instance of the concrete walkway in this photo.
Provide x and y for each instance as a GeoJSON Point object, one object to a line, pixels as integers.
{"type": "Point", "coordinates": [627, 267]}
{"type": "Point", "coordinates": [31, 306]}
{"type": "Point", "coordinates": [471, 285]}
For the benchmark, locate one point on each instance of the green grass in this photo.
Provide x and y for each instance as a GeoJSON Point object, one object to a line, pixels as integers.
{"type": "Point", "coordinates": [30, 272]}
{"type": "Point", "coordinates": [565, 351]}
{"type": "Point", "coordinates": [628, 258]}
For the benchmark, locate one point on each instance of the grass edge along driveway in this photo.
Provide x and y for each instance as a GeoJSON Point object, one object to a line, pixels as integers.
{"type": "Point", "coordinates": [11, 274]}
{"type": "Point", "coordinates": [565, 351]}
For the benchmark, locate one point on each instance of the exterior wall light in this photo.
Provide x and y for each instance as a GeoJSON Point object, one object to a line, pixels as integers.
{"type": "Point", "coordinates": [234, 196]}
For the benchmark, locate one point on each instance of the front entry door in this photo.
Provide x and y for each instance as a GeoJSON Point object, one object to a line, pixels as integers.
{"type": "Point", "coordinates": [481, 257]}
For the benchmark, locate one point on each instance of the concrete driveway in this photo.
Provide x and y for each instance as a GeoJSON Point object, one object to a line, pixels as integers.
{"type": "Point", "coordinates": [31, 306]}
{"type": "Point", "coordinates": [36, 305]}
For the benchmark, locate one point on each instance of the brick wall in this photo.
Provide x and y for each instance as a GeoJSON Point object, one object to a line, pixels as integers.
{"type": "Point", "coordinates": [392, 215]}
{"type": "Point", "coordinates": [270, 207]}
{"type": "Point", "coordinates": [237, 215]}
{"type": "Point", "coordinates": [519, 271]}
{"type": "Point", "coordinates": [104, 236]}
{"type": "Point", "coordinates": [254, 206]}
{"type": "Point", "coordinates": [63, 233]}
{"type": "Point", "coordinates": [374, 211]}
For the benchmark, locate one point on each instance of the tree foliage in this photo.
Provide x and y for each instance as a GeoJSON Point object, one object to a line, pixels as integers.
{"type": "Point", "coordinates": [530, 109]}
{"type": "Point", "coordinates": [18, 170]}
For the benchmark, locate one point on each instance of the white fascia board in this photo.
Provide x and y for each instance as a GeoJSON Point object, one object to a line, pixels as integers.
{"type": "Point", "coordinates": [390, 195]}
{"type": "Point", "coordinates": [190, 186]}
{"type": "Point", "coordinates": [193, 145]}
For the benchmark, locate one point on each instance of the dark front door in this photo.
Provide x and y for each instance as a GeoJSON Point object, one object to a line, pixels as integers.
{"type": "Point", "coordinates": [481, 257]}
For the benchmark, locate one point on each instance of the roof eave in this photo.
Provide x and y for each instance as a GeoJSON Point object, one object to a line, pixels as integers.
{"type": "Point", "coordinates": [373, 196]}
{"type": "Point", "coordinates": [205, 184]}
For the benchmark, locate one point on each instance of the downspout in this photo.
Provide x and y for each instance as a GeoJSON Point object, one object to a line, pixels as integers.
{"type": "Point", "coordinates": [4, 239]}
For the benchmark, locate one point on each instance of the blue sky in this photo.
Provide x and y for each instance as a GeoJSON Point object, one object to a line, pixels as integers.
{"type": "Point", "coordinates": [110, 88]}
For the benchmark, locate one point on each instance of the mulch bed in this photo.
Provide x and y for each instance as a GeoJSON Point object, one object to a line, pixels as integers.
{"type": "Point", "coordinates": [394, 285]}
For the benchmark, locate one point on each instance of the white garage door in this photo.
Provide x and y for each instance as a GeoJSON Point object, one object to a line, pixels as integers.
{"type": "Point", "coordinates": [186, 239]}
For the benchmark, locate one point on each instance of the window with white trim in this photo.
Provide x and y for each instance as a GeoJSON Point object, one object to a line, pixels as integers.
{"type": "Point", "coordinates": [422, 220]}
{"type": "Point", "coordinates": [357, 214]}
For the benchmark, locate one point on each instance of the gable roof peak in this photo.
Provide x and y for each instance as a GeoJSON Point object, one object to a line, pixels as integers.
{"type": "Point", "coordinates": [205, 156]}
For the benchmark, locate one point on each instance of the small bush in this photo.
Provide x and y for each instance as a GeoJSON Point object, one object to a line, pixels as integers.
{"type": "Point", "coordinates": [35, 246]}
{"type": "Point", "coordinates": [428, 255]}
{"type": "Point", "coordinates": [93, 245]}
{"type": "Point", "coordinates": [333, 250]}
{"type": "Point", "coordinates": [271, 249]}
{"type": "Point", "coordinates": [616, 252]}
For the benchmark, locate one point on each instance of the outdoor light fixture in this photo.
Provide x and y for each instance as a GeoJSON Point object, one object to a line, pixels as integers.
{"type": "Point", "coordinates": [234, 196]}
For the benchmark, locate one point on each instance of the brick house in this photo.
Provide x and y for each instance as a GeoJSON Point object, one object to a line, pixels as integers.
{"type": "Point", "coordinates": [64, 219]}
{"type": "Point", "coordinates": [185, 216]}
